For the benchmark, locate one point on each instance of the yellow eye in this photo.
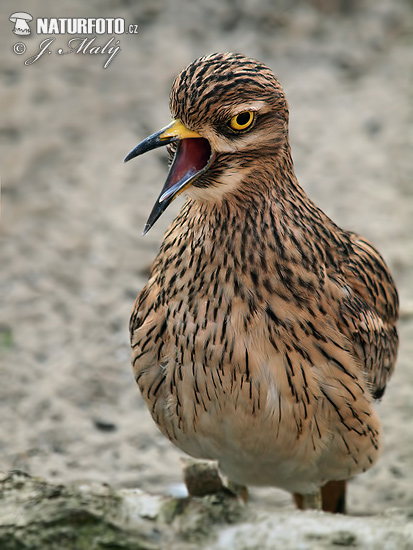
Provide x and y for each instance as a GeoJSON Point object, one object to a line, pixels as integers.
{"type": "Point", "coordinates": [242, 121]}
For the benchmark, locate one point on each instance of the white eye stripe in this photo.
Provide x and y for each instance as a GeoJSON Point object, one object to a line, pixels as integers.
{"type": "Point", "coordinates": [254, 106]}
{"type": "Point", "coordinates": [228, 111]}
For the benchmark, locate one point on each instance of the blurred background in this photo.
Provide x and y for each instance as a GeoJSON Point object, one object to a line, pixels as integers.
{"type": "Point", "coordinates": [72, 255]}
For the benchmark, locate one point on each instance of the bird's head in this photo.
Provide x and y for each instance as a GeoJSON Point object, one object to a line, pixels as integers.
{"type": "Point", "coordinates": [229, 112]}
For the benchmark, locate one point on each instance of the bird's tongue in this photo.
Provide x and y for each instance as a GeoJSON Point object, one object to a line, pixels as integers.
{"type": "Point", "coordinates": [191, 158]}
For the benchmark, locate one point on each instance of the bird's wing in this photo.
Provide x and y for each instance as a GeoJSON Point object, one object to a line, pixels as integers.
{"type": "Point", "coordinates": [369, 312]}
{"type": "Point", "coordinates": [148, 335]}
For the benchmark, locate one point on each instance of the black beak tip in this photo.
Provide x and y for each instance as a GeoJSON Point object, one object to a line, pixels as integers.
{"type": "Point", "coordinates": [130, 156]}
{"type": "Point", "coordinates": [152, 142]}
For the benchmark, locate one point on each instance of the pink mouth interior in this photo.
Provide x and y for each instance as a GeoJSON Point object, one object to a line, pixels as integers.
{"type": "Point", "coordinates": [191, 157]}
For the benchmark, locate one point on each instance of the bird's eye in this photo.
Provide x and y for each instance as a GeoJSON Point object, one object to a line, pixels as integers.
{"type": "Point", "coordinates": [242, 121]}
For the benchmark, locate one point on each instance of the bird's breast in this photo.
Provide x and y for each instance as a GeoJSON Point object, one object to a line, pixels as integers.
{"type": "Point", "coordinates": [234, 363]}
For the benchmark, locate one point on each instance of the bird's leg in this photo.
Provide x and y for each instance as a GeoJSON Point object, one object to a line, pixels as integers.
{"type": "Point", "coordinates": [311, 501]}
{"type": "Point", "coordinates": [241, 491]}
{"type": "Point", "coordinates": [333, 497]}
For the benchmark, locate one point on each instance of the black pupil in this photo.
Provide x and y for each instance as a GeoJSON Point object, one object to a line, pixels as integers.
{"type": "Point", "coordinates": [243, 118]}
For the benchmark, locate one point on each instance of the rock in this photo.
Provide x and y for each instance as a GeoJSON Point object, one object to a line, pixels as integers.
{"type": "Point", "coordinates": [40, 515]}
{"type": "Point", "coordinates": [201, 477]}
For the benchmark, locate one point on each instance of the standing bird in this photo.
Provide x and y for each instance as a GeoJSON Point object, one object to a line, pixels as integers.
{"type": "Point", "coordinates": [265, 331]}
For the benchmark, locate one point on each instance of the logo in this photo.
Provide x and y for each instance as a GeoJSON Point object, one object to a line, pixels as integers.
{"type": "Point", "coordinates": [86, 40]}
{"type": "Point", "coordinates": [21, 25]}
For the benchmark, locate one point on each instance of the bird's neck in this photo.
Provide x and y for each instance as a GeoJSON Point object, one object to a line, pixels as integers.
{"type": "Point", "coordinates": [267, 181]}
{"type": "Point", "coordinates": [268, 206]}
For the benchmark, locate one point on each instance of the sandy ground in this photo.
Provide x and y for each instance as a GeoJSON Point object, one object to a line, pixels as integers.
{"type": "Point", "coordinates": [72, 255]}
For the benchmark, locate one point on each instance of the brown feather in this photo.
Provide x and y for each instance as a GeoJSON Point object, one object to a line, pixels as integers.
{"type": "Point", "coordinates": [264, 331]}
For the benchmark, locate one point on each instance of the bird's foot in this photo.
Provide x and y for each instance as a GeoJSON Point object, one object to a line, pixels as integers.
{"type": "Point", "coordinates": [311, 501]}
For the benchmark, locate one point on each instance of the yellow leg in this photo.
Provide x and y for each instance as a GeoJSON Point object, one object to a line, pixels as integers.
{"type": "Point", "coordinates": [312, 501]}
{"type": "Point", "coordinates": [333, 496]}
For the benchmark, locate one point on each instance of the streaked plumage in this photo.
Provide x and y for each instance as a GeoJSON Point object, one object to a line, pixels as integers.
{"type": "Point", "coordinates": [265, 331]}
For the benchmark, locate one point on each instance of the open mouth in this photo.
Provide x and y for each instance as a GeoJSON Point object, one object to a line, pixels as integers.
{"type": "Point", "coordinates": [192, 158]}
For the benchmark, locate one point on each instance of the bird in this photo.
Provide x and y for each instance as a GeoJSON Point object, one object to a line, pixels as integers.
{"type": "Point", "coordinates": [265, 331]}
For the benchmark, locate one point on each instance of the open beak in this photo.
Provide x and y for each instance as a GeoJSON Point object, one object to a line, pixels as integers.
{"type": "Point", "coordinates": [193, 157]}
